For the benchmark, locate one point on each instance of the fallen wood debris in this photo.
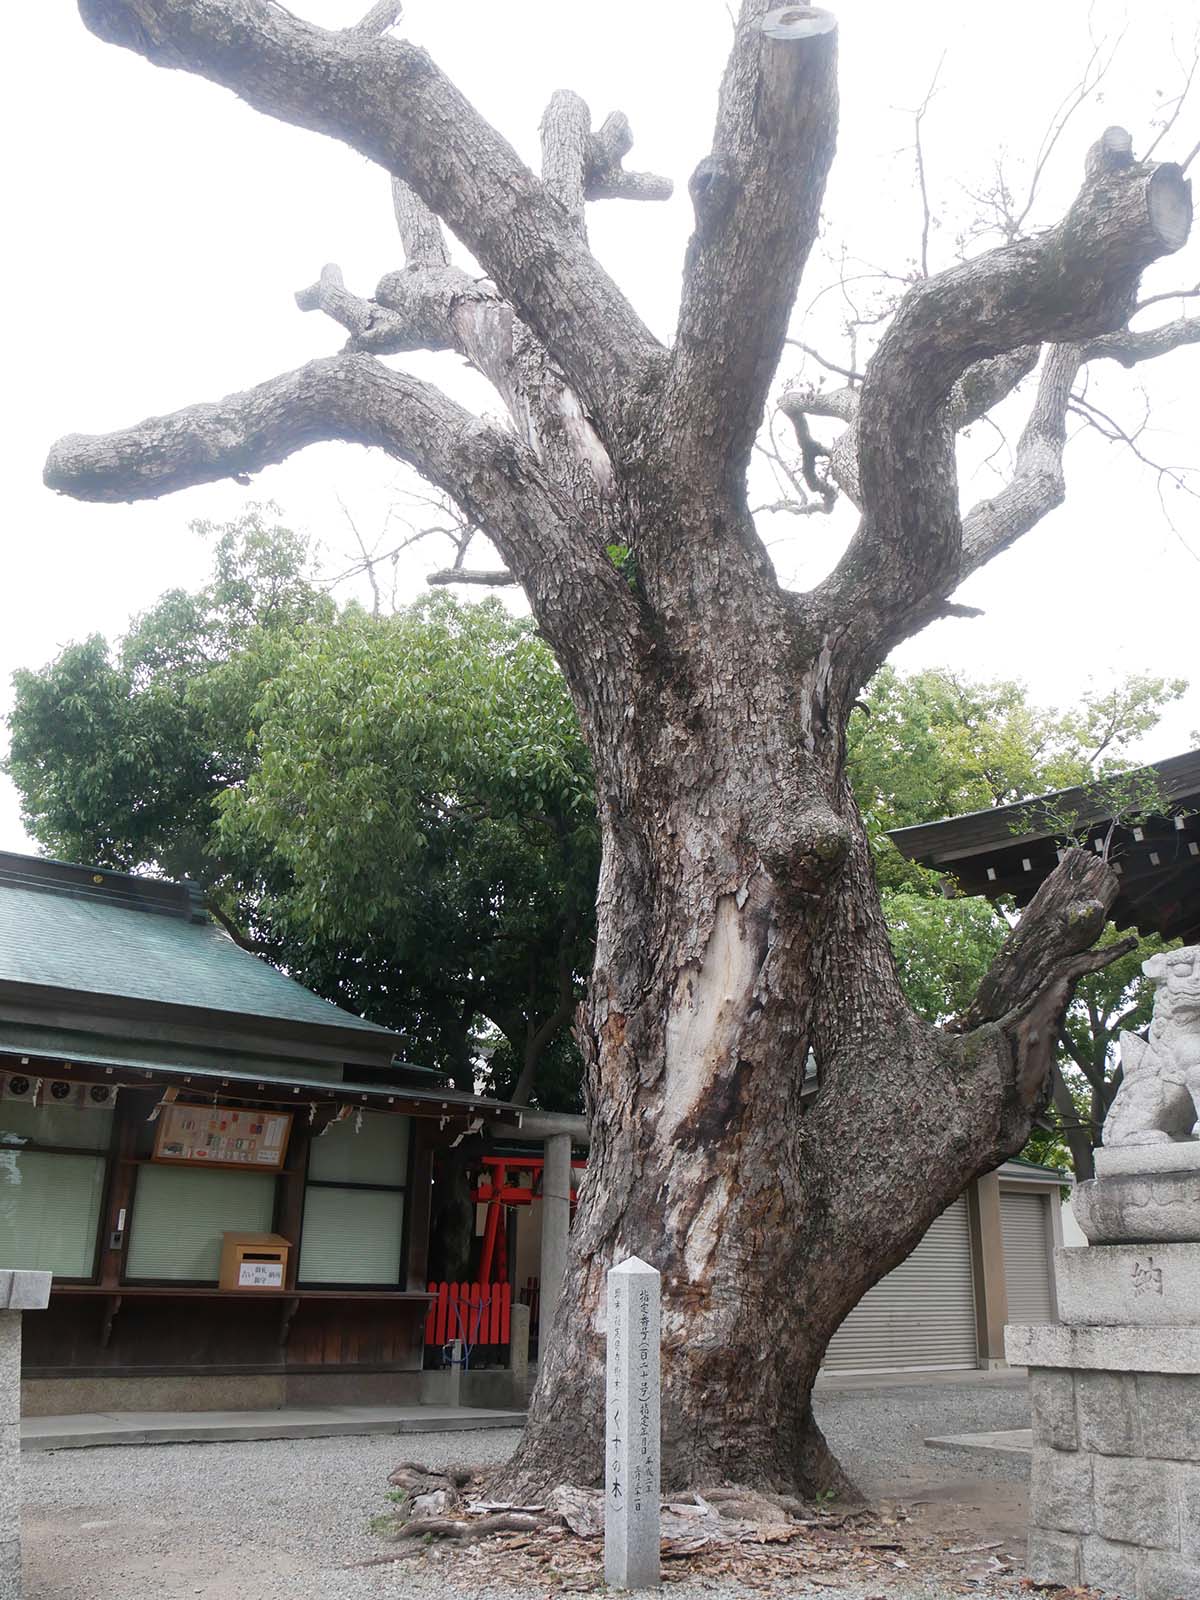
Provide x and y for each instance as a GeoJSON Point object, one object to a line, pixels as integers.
{"type": "Point", "coordinates": [721, 1533]}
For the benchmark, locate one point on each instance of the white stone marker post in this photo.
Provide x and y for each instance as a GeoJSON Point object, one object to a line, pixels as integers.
{"type": "Point", "coordinates": [631, 1480]}
{"type": "Point", "coordinates": [19, 1291]}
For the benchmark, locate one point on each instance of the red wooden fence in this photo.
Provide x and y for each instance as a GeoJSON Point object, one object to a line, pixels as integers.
{"type": "Point", "coordinates": [475, 1313]}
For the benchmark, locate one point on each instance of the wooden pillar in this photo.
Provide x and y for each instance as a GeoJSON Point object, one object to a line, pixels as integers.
{"type": "Point", "coordinates": [290, 1209]}
{"type": "Point", "coordinates": [130, 1112]}
{"type": "Point", "coordinates": [987, 1264]}
{"type": "Point", "coordinates": [420, 1200]}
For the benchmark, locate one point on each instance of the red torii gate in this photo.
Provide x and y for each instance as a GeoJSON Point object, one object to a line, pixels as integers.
{"type": "Point", "coordinates": [498, 1188]}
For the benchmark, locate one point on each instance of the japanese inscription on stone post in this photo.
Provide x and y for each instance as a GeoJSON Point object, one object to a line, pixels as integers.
{"type": "Point", "coordinates": [631, 1487]}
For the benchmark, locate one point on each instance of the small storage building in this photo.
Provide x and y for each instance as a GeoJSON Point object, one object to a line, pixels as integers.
{"type": "Point", "coordinates": [163, 1089]}
{"type": "Point", "coordinates": [987, 1260]}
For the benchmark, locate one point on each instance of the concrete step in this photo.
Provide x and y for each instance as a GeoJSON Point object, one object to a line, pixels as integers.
{"type": "Point", "coordinates": [1014, 1443]}
{"type": "Point", "coordinates": [90, 1430]}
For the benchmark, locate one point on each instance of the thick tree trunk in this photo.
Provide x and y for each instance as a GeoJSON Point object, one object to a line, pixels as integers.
{"type": "Point", "coordinates": [729, 942]}
{"type": "Point", "coordinates": [452, 1219]}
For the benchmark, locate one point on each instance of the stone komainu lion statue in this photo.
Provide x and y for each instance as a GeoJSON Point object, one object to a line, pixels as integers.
{"type": "Point", "coordinates": [1159, 1098]}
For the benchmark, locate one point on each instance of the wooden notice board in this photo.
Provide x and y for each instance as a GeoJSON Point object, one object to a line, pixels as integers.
{"type": "Point", "coordinates": [220, 1136]}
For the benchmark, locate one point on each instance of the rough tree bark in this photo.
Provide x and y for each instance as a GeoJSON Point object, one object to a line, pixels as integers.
{"type": "Point", "coordinates": [739, 923]}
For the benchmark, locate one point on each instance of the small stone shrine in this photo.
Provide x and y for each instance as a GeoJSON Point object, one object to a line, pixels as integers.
{"type": "Point", "coordinates": [1115, 1388]}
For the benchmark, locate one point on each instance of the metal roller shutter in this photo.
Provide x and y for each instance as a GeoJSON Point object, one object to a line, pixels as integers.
{"type": "Point", "coordinates": [921, 1315]}
{"type": "Point", "coordinates": [1025, 1224]}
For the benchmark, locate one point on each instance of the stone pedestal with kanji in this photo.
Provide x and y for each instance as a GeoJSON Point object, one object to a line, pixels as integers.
{"type": "Point", "coordinates": [1115, 1388]}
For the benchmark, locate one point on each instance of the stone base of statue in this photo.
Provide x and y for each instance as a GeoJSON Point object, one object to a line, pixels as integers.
{"type": "Point", "coordinates": [1115, 1388]}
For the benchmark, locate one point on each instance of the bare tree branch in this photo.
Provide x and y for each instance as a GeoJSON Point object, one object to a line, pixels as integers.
{"type": "Point", "coordinates": [433, 305]}
{"type": "Point", "coordinates": [420, 231]}
{"type": "Point", "coordinates": [489, 472]}
{"type": "Point", "coordinates": [496, 579]}
{"type": "Point", "coordinates": [909, 548]}
{"type": "Point", "coordinates": [368, 562]}
{"type": "Point", "coordinates": [420, 325]}
{"type": "Point", "coordinates": [757, 199]}
{"type": "Point", "coordinates": [980, 388]}
{"type": "Point", "coordinates": [349, 397]}
{"type": "Point", "coordinates": [566, 129]}
{"type": "Point", "coordinates": [1096, 70]}
{"type": "Point", "coordinates": [922, 183]}
{"type": "Point", "coordinates": [848, 373]}
{"type": "Point", "coordinates": [388, 100]}
{"type": "Point", "coordinates": [1037, 484]}
{"type": "Point", "coordinates": [1129, 346]}
{"type": "Point", "coordinates": [1168, 294]}
{"type": "Point", "coordinates": [579, 165]}
{"type": "Point", "coordinates": [1177, 105]}
{"type": "Point", "coordinates": [1113, 432]}
{"type": "Point", "coordinates": [382, 16]}
{"type": "Point", "coordinates": [606, 178]}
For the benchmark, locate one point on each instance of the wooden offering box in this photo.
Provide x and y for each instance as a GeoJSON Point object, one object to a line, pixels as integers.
{"type": "Point", "coordinates": [253, 1261]}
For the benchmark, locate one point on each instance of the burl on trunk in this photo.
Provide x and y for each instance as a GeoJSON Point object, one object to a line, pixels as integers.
{"type": "Point", "coordinates": [739, 924]}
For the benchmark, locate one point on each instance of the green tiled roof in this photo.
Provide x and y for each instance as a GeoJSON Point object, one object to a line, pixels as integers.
{"type": "Point", "coordinates": [93, 946]}
{"type": "Point", "coordinates": [200, 1068]}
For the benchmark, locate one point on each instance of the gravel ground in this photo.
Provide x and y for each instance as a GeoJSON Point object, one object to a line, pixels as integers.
{"type": "Point", "coordinates": [878, 1432]}
{"type": "Point", "coordinates": [261, 1521]}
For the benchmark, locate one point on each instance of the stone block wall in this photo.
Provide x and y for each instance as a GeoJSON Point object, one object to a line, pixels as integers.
{"type": "Point", "coordinates": [1115, 1482]}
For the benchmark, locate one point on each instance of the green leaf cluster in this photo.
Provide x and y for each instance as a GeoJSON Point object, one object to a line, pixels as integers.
{"type": "Point", "coordinates": [399, 810]}
{"type": "Point", "coordinates": [933, 744]}
{"type": "Point", "coordinates": [119, 751]}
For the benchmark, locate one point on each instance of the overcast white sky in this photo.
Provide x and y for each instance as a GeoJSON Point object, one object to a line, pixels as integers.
{"type": "Point", "coordinates": [161, 229]}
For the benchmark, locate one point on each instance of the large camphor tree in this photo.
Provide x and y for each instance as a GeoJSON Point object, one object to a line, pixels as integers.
{"type": "Point", "coordinates": [739, 923]}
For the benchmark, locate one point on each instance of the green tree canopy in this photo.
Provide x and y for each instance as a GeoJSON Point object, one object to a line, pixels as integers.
{"type": "Point", "coordinates": [421, 781]}
{"type": "Point", "coordinates": [933, 744]}
{"type": "Point", "coordinates": [397, 809]}
{"type": "Point", "coordinates": [119, 751]}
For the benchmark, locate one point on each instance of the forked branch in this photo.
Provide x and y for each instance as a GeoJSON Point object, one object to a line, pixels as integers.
{"type": "Point", "coordinates": [980, 388]}
{"type": "Point", "coordinates": [433, 305]}
{"type": "Point", "coordinates": [495, 478]}
{"type": "Point", "coordinates": [1075, 283]}
{"type": "Point", "coordinates": [579, 165]}
{"type": "Point", "coordinates": [385, 98]}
